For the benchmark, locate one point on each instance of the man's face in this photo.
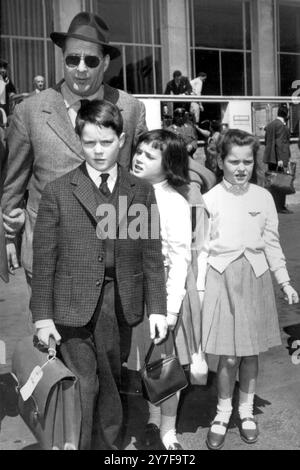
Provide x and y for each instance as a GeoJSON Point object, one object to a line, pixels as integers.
{"type": "Point", "coordinates": [39, 83]}
{"type": "Point", "coordinates": [3, 71]}
{"type": "Point", "coordinates": [82, 79]}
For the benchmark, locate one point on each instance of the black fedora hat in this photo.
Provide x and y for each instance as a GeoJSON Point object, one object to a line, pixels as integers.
{"type": "Point", "coordinates": [87, 27]}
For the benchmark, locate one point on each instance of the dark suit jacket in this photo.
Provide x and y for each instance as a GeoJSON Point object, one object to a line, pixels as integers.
{"type": "Point", "coordinates": [68, 257]}
{"type": "Point", "coordinates": [43, 146]}
{"type": "Point", "coordinates": [277, 140]}
{"type": "Point", "coordinates": [3, 259]}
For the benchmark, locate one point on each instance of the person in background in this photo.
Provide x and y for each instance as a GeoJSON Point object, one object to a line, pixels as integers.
{"type": "Point", "coordinates": [39, 84]}
{"type": "Point", "coordinates": [239, 315]}
{"type": "Point", "coordinates": [10, 89]}
{"type": "Point", "coordinates": [277, 152]}
{"type": "Point", "coordinates": [212, 149]}
{"type": "Point", "coordinates": [196, 106]}
{"type": "Point", "coordinates": [179, 85]}
{"type": "Point", "coordinates": [42, 143]}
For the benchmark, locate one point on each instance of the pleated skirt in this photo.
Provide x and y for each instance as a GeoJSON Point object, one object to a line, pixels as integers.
{"type": "Point", "coordinates": [239, 315]}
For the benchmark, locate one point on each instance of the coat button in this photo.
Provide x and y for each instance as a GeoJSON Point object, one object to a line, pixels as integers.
{"type": "Point", "coordinates": [100, 259]}
{"type": "Point", "coordinates": [98, 283]}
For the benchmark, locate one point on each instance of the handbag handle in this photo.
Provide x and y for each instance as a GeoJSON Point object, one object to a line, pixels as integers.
{"type": "Point", "coordinates": [151, 347]}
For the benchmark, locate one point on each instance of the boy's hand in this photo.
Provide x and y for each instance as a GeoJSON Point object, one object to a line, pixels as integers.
{"type": "Point", "coordinates": [290, 294]}
{"type": "Point", "coordinates": [158, 327]}
{"type": "Point", "coordinates": [13, 222]}
{"type": "Point", "coordinates": [172, 320]}
{"type": "Point", "coordinates": [44, 334]}
{"type": "Point", "coordinates": [12, 259]}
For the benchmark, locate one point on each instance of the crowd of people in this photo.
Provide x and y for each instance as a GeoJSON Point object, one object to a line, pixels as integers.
{"type": "Point", "coordinates": [197, 265]}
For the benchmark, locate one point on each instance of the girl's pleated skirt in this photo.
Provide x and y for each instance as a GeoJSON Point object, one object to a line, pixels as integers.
{"type": "Point", "coordinates": [239, 315]}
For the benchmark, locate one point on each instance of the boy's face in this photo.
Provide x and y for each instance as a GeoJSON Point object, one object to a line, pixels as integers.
{"type": "Point", "coordinates": [101, 146]}
{"type": "Point", "coordinates": [238, 164]}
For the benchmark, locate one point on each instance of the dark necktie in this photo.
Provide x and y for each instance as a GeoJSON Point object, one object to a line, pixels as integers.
{"type": "Point", "coordinates": [104, 186]}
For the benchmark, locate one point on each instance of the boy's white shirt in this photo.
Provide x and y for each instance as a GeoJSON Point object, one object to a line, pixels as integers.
{"type": "Point", "coordinates": [245, 223]}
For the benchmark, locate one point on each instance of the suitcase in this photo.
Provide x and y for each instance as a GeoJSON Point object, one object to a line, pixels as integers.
{"type": "Point", "coordinates": [53, 410]}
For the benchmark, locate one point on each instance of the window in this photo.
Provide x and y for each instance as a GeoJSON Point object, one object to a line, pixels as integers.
{"type": "Point", "coordinates": [288, 46]}
{"type": "Point", "coordinates": [221, 45]}
{"type": "Point", "coordinates": [25, 44]}
{"type": "Point", "coordinates": [135, 29]}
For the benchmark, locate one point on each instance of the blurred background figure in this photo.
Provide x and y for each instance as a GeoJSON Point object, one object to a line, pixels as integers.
{"type": "Point", "coordinates": [38, 84]}
{"type": "Point", "coordinates": [211, 149]}
{"type": "Point", "coordinates": [9, 89]}
{"type": "Point", "coordinates": [180, 85]}
{"type": "Point", "coordinates": [197, 85]}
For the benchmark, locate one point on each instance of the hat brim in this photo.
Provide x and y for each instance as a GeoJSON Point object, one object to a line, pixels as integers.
{"type": "Point", "coordinates": [59, 40]}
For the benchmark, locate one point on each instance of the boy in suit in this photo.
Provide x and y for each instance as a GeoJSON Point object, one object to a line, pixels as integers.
{"type": "Point", "coordinates": [85, 285]}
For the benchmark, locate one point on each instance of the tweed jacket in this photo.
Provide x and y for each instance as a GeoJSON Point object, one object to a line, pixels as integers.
{"type": "Point", "coordinates": [43, 146]}
{"type": "Point", "coordinates": [3, 259]}
{"type": "Point", "coordinates": [277, 141]}
{"type": "Point", "coordinates": [68, 256]}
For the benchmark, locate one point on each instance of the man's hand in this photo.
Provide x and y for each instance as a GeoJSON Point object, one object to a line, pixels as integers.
{"type": "Point", "coordinates": [44, 334]}
{"type": "Point", "coordinates": [172, 320]}
{"type": "Point", "coordinates": [13, 222]}
{"type": "Point", "coordinates": [158, 327]}
{"type": "Point", "coordinates": [12, 259]}
{"type": "Point", "coordinates": [290, 294]}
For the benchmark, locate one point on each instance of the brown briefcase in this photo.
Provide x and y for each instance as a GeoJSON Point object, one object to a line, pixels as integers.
{"type": "Point", "coordinates": [53, 410]}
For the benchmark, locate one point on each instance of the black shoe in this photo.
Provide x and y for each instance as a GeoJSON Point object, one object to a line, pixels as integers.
{"type": "Point", "coordinates": [215, 441]}
{"type": "Point", "coordinates": [175, 446]}
{"type": "Point", "coordinates": [151, 435]}
{"type": "Point", "coordinates": [249, 436]}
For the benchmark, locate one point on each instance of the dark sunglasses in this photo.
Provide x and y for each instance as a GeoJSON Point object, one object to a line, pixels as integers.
{"type": "Point", "coordinates": [91, 61]}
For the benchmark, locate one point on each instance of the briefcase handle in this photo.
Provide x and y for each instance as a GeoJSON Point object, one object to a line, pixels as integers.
{"type": "Point", "coordinates": [51, 348]}
{"type": "Point", "coordinates": [150, 350]}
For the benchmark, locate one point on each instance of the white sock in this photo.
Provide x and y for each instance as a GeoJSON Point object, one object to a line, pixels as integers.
{"type": "Point", "coordinates": [154, 414]}
{"type": "Point", "coordinates": [168, 430]}
{"type": "Point", "coordinates": [224, 410]}
{"type": "Point", "coordinates": [246, 401]}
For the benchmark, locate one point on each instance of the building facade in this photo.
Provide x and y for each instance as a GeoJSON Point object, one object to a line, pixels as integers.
{"type": "Point", "coordinates": [247, 47]}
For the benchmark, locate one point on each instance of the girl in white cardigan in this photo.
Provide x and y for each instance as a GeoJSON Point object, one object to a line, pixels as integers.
{"type": "Point", "coordinates": [239, 312]}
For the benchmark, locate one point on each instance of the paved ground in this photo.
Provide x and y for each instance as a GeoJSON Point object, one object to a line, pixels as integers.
{"type": "Point", "coordinates": [277, 399]}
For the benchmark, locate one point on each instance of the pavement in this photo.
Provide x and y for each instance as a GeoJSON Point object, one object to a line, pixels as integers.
{"type": "Point", "coordinates": [277, 398]}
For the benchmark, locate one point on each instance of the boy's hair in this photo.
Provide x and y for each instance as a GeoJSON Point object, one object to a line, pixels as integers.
{"type": "Point", "coordinates": [177, 73]}
{"type": "Point", "coordinates": [202, 75]}
{"type": "Point", "coordinates": [240, 138]}
{"type": "Point", "coordinates": [175, 160]}
{"type": "Point", "coordinates": [101, 113]}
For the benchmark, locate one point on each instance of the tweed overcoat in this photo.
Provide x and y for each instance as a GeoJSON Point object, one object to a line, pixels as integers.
{"type": "Point", "coordinates": [43, 146]}
{"type": "Point", "coordinates": [68, 256]}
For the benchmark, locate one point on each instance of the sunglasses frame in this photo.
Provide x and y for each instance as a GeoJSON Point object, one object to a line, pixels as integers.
{"type": "Point", "coordinates": [85, 59]}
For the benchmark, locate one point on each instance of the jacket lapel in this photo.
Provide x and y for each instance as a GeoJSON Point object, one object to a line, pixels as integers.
{"type": "Point", "coordinates": [84, 191]}
{"type": "Point", "coordinates": [60, 122]}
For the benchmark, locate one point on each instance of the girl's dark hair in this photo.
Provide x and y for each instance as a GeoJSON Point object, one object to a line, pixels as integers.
{"type": "Point", "coordinates": [101, 113]}
{"type": "Point", "coordinates": [175, 160]}
{"type": "Point", "coordinates": [240, 138]}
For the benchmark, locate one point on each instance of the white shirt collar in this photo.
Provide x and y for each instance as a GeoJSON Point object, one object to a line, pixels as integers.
{"type": "Point", "coordinates": [160, 185]}
{"type": "Point", "coordinates": [96, 178]}
{"type": "Point", "coordinates": [70, 98]}
{"type": "Point", "coordinates": [281, 119]}
{"type": "Point", "coordinates": [235, 188]}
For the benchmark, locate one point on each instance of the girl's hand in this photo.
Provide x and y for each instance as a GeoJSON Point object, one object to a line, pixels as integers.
{"type": "Point", "coordinates": [290, 294]}
{"type": "Point", "coordinates": [172, 320]}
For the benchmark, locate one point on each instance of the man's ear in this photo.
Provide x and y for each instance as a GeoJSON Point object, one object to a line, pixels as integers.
{"type": "Point", "coordinates": [106, 62]}
{"type": "Point", "coordinates": [122, 139]}
{"type": "Point", "coordinates": [220, 162]}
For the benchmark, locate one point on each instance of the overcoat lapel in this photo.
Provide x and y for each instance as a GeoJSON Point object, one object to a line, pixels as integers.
{"type": "Point", "coordinates": [60, 122]}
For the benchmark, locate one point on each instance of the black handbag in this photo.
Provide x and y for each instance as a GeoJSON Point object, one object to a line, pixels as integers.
{"type": "Point", "coordinates": [281, 181]}
{"type": "Point", "coordinates": [53, 410]}
{"type": "Point", "coordinates": [163, 377]}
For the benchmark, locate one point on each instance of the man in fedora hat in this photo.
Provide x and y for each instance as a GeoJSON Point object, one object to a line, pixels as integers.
{"type": "Point", "coordinates": [41, 138]}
